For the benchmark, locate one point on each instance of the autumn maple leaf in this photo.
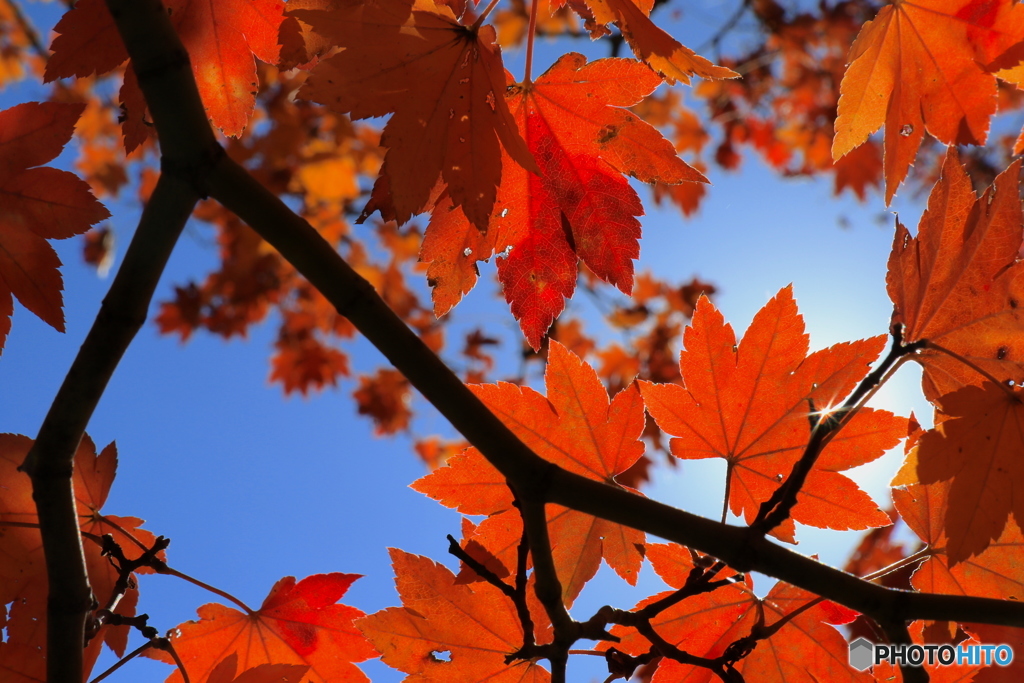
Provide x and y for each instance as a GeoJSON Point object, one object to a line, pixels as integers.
{"type": "Point", "coordinates": [24, 585]}
{"type": "Point", "coordinates": [958, 283]}
{"type": "Point", "coordinates": [448, 632]}
{"type": "Point", "coordinates": [750, 404]}
{"type": "Point", "coordinates": [38, 204]}
{"type": "Point", "coordinates": [298, 623]}
{"type": "Point", "coordinates": [923, 65]}
{"type": "Point", "coordinates": [444, 84]}
{"type": "Point", "coordinates": [661, 51]}
{"type": "Point", "coordinates": [579, 207]}
{"type": "Point", "coordinates": [221, 38]}
{"type": "Point", "coordinates": [994, 572]}
{"type": "Point", "coordinates": [978, 446]}
{"type": "Point", "coordinates": [577, 428]}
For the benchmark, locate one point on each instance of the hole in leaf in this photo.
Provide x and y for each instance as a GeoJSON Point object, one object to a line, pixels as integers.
{"type": "Point", "coordinates": [441, 655]}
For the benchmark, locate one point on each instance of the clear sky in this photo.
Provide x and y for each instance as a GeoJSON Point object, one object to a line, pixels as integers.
{"type": "Point", "coordinates": [251, 486]}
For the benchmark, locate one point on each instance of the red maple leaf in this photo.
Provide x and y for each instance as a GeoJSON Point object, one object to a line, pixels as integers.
{"type": "Point", "coordinates": [298, 623]}
{"type": "Point", "coordinates": [442, 81]}
{"type": "Point", "coordinates": [579, 207]}
{"type": "Point", "coordinates": [221, 38]}
{"type": "Point", "coordinates": [39, 203]}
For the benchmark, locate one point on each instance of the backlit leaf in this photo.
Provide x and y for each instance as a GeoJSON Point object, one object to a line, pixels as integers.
{"type": "Point", "coordinates": [442, 81]}
{"type": "Point", "coordinates": [921, 65]}
{"type": "Point", "coordinates": [751, 403]}
{"type": "Point", "coordinates": [958, 282]}
{"type": "Point", "coordinates": [577, 428]}
{"type": "Point", "coordinates": [298, 623]}
{"type": "Point", "coordinates": [38, 204]}
{"type": "Point", "coordinates": [449, 632]}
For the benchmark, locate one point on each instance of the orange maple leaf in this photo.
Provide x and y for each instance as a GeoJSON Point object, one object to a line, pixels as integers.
{"type": "Point", "coordinates": [995, 572]}
{"type": "Point", "coordinates": [662, 52]}
{"type": "Point", "coordinates": [221, 38]}
{"type": "Point", "coordinates": [922, 65]}
{"type": "Point", "coordinates": [298, 623]}
{"type": "Point", "coordinates": [449, 632]}
{"type": "Point", "coordinates": [978, 446]}
{"type": "Point", "coordinates": [38, 204]}
{"type": "Point", "coordinates": [751, 403]}
{"type": "Point", "coordinates": [444, 84]}
{"type": "Point", "coordinates": [958, 282]}
{"type": "Point", "coordinates": [22, 567]}
{"type": "Point", "coordinates": [579, 207]}
{"type": "Point", "coordinates": [577, 428]}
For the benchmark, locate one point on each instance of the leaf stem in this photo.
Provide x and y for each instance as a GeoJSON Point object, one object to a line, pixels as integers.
{"type": "Point", "coordinates": [483, 15]}
{"type": "Point", "coordinates": [217, 591]}
{"type": "Point", "coordinates": [530, 35]}
{"type": "Point", "coordinates": [124, 660]}
{"type": "Point", "coordinates": [728, 486]}
{"type": "Point", "coordinates": [914, 557]}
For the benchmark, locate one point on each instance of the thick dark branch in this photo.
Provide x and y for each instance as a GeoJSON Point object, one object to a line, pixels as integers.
{"type": "Point", "coordinates": [49, 463]}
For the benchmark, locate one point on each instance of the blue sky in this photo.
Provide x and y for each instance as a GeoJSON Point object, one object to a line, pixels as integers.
{"type": "Point", "coordinates": [251, 486]}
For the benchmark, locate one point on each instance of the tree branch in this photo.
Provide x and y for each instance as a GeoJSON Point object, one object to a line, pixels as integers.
{"type": "Point", "coordinates": [50, 461]}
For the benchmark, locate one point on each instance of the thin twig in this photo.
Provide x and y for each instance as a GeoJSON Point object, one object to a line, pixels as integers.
{"type": "Point", "coordinates": [124, 660]}
{"type": "Point", "coordinates": [213, 589]}
{"type": "Point", "coordinates": [25, 24]}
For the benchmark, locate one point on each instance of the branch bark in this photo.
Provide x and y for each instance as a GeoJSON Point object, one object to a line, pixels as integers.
{"type": "Point", "coordinates": [50, 462]}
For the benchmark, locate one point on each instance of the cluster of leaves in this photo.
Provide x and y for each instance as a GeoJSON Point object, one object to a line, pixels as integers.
{"type": "Point", "coordinates": [533, 173]}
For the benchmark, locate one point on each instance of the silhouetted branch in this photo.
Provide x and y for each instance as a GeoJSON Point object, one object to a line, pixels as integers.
{"type": "Point", "coordinates": [49, 462]}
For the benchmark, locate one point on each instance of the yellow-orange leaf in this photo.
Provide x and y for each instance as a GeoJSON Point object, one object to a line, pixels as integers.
{"type": "Point", "coordinates": [979, 447]}
{"type": "Point", "coordinates": [922, 65]}
{"type": "Point", "coordinates": [750, 404]}
{"type": "Point", "coordinates": [958, 282]}
{"type": "Point", "coordinates": [996, 572]}
{"type": "Point", "coordinates": [578, 428]}
{"type": "Point", "coordinates": [448, 632]}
